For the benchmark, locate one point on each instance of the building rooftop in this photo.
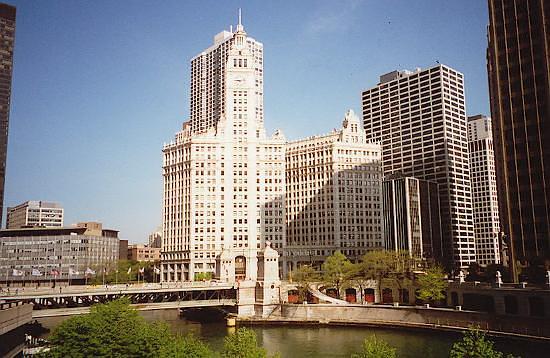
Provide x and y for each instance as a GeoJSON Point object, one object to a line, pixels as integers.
{"type": "Point", "coordinates": [51, 231]}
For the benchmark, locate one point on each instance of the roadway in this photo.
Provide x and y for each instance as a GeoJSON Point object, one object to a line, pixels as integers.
{"type": "Point", "coordinates": [22, 293]}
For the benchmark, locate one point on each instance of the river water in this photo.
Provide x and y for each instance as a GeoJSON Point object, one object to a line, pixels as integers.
{"type": "Point", "coordinates": [308, 341]}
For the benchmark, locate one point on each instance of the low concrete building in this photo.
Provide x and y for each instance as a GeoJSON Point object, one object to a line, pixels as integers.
{"type": "Point", "coordinates": [143, 253]}
{"type": "Point", "coordinates": [44, 254]}
{"type": "Point", "coordinates": [34, 213]}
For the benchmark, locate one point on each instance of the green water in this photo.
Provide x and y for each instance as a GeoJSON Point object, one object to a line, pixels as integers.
{"type": "Point", "coordinates": [308, 341]}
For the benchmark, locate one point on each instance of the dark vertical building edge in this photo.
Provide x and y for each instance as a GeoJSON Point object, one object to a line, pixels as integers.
{"type": "Point", "coordinates": [518, 66]}
{"type": "Point", "coordinates": [7, 42]}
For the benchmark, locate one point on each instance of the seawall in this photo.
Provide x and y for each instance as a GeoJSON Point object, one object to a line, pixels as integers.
{"type": "Point", "coordinates": [405, 317]}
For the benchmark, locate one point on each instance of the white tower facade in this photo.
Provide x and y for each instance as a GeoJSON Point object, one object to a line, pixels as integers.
{"type": "Point", "coordinates": [223, 177]}
{"type": "Point", "coordinates": [209, 82]}
{"type": "Point", "coordinates": [484, 189]}
{"type": "Point", "coordinates": [333, 196]}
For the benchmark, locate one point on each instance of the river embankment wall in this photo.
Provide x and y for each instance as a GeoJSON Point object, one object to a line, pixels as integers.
{"type": "Point", "coordinates": [405, 316]}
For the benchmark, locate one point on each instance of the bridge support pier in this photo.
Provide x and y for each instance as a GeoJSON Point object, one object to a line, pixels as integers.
{"type": "Point", "coordinates": [246, 298]}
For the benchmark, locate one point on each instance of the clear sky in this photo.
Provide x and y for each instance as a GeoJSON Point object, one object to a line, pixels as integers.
{"type": "Point", "coordinates": [99, 86]}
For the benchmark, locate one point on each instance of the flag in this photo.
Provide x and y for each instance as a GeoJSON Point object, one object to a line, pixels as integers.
{"type": "Point", "coordinates": [157, 270]}
{"type": "Point", "coordinates": [89, 271]}
{"type": "Point", "coordinates": [105, 270]}
{"type": "Point", "coordinates": [170, 269]}
{"type": "Point", "coordinates": [36, 272]}
{"type": "Point", "coordinates": [54, 272]}
{"type": "Point", "coordinates": [17, 272]}
{"type": "Point", "coordinates": [73, 272]}
{"type": "Point", "coordinates": [142, 270]}
{"type": "Point", "coordinates": [129, 270]}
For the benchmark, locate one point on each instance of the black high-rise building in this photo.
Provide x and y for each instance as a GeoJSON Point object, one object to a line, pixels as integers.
{"type": "Point", "coordinates": [7, 39]}
{"type": "Point", "coordinates": [518, 61]}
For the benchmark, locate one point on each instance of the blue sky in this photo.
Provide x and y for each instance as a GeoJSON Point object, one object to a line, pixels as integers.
{"type": "Point", "coordinates": [99, 86]}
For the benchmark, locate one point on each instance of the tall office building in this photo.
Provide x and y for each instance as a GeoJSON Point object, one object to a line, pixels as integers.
{"type": "Point", "coordinates": [223, 177]}
{"type": "Point", "coordinates": [518, 61]}
{"type": "Point", "coordinates": [209, 83]}
{"type": "Point", "coordinates": [333, 196]}
{"type": "Point", "coordinates": [484, 190]}
{"type": "Point", "coordinates": [7, 40]}
{"type": "Point", "coordinates": [411, 217]}
{"type": "Point", "coordinates": [34, 214]}
{"type": "Point", "coordinates": [420, 119]}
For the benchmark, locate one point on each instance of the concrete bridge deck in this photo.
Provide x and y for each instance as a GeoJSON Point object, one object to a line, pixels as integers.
{"type": "Point", "coordinates": [140, 307]}
{"type": "Point", "coordinates": [147, 296]}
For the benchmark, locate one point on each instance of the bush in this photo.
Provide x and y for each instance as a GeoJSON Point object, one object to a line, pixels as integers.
{"type": "Point", "coordinates": [475, 345]}
{"type": "Point", "coordinates": [116, 330]}
{"type": "Point", "coordinates": [376, 348]}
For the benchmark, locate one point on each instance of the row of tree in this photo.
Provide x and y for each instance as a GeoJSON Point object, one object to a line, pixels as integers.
{"type": "Point", "coordinates": [115, 329]}
{"type": "Point", "coordinates": [126, 271]}
{"type": "Point", "coordinates": [383, 266]}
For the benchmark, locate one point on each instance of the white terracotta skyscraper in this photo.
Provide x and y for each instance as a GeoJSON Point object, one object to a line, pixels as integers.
{"type": "Point", "coordinates": [223, 178]}
{"type": "Point", "coordinates": [484, 189]}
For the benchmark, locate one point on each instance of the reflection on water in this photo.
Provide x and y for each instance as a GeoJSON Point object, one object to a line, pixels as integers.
{"type": "Point", "coordinates": [307, 341]}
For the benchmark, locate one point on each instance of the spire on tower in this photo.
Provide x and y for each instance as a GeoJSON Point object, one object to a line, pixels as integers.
{"type": "Point", "coordinates": [240, 27]}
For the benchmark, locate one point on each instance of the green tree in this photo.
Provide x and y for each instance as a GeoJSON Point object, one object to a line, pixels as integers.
{"type": "Point", "coordinates": [475, 345]}
{"type": "Point", "coordinates": [186, 347]}
{"type": "Point", "coordinates": [242, 344]}
{"type": "Point", "coordinates": [203, 276]}
{"type": "Point", "coordinates": [376, 348]}
{"type": "Point", "coordinates": [334, 269]}
{"type": "Point", "coordinates": [355, 277]}
{"type": "Point", "coordinates": [304, 276]}
{"type": "Point", "coordinates": [378, 265]}
{"type": "Point", "coordinates": [432, 285]}
{"type": "Point", "coordinates": [116, 330]}
{"type": "Point", "coordinates": [119, 273]}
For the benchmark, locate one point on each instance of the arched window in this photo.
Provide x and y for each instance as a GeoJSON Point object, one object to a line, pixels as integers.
{"type": "Point", "coordinates": [240, 268]}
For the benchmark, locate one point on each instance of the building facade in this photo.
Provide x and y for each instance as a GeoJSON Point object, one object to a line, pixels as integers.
{"type": "Point", "coordinates": [209, 81]}
{"type": "Point", "coordinates": [484, 190]}
{"type": "Point", "coordinates": [44, 254]}
{"type": "Point", "coordinates": [143, 253]}
{"type": "Point", "coordinates": [155, 238]}
{"type": "Point", "coordinates": [34, 213]}
{"type": "Point", "coordinates": [518, 64]}
{"type": "Point", "coordinates": [333, 196]}
{"type": "Point", "coordinates": [223, 177]}
{"type": "Point", "coordinates": [411, 217]}
{"type": "Point", "coordinates": [7, 41]}
{"type": "Point", "coordinates": [420, 119]}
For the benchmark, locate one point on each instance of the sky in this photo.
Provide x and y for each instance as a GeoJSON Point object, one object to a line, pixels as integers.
{"type": "Point", "coordinates": [100, 86]}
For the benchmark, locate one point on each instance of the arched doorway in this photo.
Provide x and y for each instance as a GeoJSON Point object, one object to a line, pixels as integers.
{"type": "Point", "coordinates": [351, 295]}
{"type": "Point", "coordinates": [387, 295]}
{"type": "Point", "coordinates": [240, 268]}
{"type": "Point", "coordinates": [369, 295]}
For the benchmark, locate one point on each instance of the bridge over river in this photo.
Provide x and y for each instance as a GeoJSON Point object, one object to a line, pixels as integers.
{"type": "Point", "coordinates": [71, 300]}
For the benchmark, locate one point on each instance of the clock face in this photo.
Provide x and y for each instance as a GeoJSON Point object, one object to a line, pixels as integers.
{"type": "Point", "coordinates": [239, 81]}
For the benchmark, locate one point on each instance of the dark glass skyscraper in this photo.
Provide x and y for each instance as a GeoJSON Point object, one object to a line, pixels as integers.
{"type": "Point", "coordinates": [7, 39]}
{"type": "Point", "coordinates": [519, 70]}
